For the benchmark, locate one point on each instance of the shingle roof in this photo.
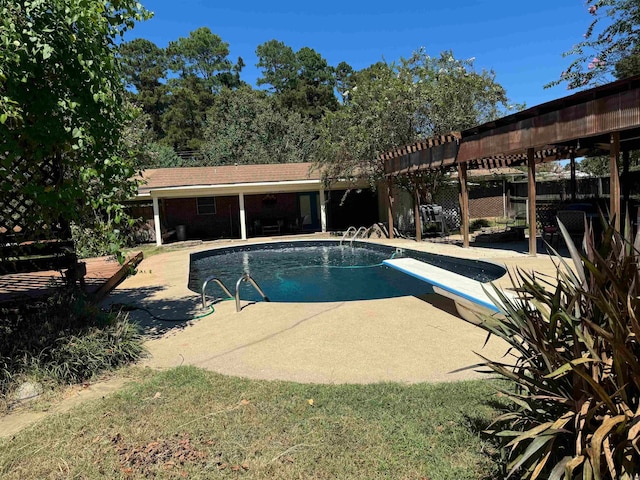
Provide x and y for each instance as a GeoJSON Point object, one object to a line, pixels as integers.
{"type": "Point", "coordinates": [225, 175]}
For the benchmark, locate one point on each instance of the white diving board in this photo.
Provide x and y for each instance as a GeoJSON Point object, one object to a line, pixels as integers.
{"type": "Point", "coordinates": [465, 291]}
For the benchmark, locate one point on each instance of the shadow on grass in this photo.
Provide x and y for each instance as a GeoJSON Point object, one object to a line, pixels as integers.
{"type": "Point", "coordinates": [481, 426]}
{"type": "Point", "coordinates": [156, 317]}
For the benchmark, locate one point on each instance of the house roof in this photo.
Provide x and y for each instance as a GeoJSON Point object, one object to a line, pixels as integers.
{"type": "Point", "coordinates": [163, 178]}
{"type": "Point", "coordinates": [495, 172]}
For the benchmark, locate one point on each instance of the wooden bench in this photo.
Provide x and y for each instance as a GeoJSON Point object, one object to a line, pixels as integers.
{"type": "Point", "coordinates": [469, 295]}
{"type": "Point", "coordinates": [38, 256]}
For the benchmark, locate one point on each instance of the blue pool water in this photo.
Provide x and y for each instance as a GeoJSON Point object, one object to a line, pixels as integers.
{"type": "Point", "coordinates": [320, 271]}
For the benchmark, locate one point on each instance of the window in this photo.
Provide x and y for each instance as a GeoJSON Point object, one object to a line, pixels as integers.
{"type": "Point", "coordinates": [206, 205]}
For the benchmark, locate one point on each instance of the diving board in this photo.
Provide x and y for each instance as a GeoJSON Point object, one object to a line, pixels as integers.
{"type": "Point", "coordinates": [466, 292]}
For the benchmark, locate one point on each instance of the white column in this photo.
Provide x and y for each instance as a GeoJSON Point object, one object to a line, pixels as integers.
{"type": "Point", "coordinates": [323, 211]}
{"type": "Point", "coordinates": [156, 221]}
{"type": "Point", "coordinates": [243, 218]}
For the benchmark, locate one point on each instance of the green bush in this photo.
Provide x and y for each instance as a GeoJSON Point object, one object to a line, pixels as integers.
{"type": "Point", "coordinates": [479, 223]}
{"type": "Point", "coordinates": [98, 240]}
{"type": "Point", "coordinates": [576, 366]}
{"type": "Point", "coordinates": [63, 339]}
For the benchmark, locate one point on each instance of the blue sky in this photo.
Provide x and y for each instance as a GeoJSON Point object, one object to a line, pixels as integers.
{"type": "Point", "coordinates": [521, 41]}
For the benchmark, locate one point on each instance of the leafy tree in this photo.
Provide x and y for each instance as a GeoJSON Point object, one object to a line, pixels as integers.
{"type": "Point", "coordinates": [610, 44]}
{"type": "Point", "coordinates": [62, 102]}
{"type": "Point", "coordinates": [301, 81]}
{"type": "Point", "coordinates": [203, 69]}
{"type": "Point", "coordinates": [203, 54]}
{"type": "Point", "coordinates": [599, 166]}
{"type": "Point", "coordinates": [454, 96]}
{"type": "Point", "coordinates": [145, 68]}
{"type": "Point", "coordinates": [279, 66]}
{"type": "Point", "coordinates": [391, 105]}
{"type": "Point", "coordinates": [146, 151]}
{"type": "Point", "coordinates": [380, 115]}
{"type": "Point", "coordinates": [344, 80]}
{"type": "Point", "coordinates": [596, 166]}
{"type": "Point", "coordinates": [247, 126]}
{"type": "Point", "coordinates": [628, 66]}
{"type": "Point", "coordinates": [184, 119]}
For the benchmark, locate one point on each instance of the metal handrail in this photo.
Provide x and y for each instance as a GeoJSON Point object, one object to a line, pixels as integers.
{"type": "Point", "coordinates": [204, 286]}
{"type": "Point", "coordinates": [364, 229]}
{"type": "Point", "coordinates": [247, 278]}
{"type": "Point", "coordinates": [347, 233]}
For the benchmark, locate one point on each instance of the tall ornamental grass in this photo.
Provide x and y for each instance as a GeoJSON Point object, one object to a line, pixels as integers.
{"type": "Point", "coordinates": [574, 360]}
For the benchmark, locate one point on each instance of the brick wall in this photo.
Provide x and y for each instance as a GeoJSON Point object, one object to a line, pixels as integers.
{"type": "Point", "coordinates": [223, 224]}
{"type": "Point", "coordinates": [485, 200]}
{"type": "Point", "coordinates": [486, 207]}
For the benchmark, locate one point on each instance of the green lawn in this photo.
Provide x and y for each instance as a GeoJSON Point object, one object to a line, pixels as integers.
{"type": "Point", "coordinates": [189, 423]}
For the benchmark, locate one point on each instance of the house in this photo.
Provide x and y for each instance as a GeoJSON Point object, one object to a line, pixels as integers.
{"type": "Point", "coordinates": [241, 201]}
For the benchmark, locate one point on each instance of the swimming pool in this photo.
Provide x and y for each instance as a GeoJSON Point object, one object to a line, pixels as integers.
{"type": "Point", "coordinates": [322, 271]}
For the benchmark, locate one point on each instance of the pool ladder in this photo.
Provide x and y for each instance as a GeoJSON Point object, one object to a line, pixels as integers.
{"type": "Point", "coordinates": [244, 278]}
{"type": "Point", "coordinates": [355, 234]}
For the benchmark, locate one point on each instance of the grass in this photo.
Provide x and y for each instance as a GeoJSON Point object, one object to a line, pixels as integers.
{"type": "Point", "coordinates": [189, 423]}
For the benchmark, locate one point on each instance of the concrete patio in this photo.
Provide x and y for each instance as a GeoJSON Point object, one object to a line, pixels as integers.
{"type": "Point", "coordinates": [404, 339]}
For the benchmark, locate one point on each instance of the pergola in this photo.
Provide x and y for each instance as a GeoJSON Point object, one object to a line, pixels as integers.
{"type": "Point", "coordinates": [600, 121]}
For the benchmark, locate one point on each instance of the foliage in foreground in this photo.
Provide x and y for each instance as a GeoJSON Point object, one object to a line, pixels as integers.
{"type": "Point", "coordinates": [576, 365]}
{"type": "Point", "coordinates": [64, 340]}
{"type": "Point", "coordinates": [611, 45]}
{"type": "Point", "coordinates": [189, 423]}
{"type": "Point", "coordinates": [61, 102]}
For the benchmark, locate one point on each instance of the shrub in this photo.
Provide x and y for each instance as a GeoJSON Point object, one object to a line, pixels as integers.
{"type": "Point", "coordinates": [63, 339]}
{"type": "Point", "coordinates": [479, 223]}
{"type": "Point", "coordinates": [574, 345]}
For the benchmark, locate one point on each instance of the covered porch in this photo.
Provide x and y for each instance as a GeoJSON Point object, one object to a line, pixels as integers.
{"type": "Point", "coordinates": [601, 121]}
{"type": "Point", "coordinates": [247, 201]}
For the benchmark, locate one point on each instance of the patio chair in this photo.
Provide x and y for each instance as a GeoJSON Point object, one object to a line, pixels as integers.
{"type": "Point", "coordinates": [549, 227]}
{"type": "Point", "coordinates": [575, 221]}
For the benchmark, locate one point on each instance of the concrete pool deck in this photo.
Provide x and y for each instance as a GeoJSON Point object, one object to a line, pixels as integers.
{"type": "Point", "coordinates": [404, 339]}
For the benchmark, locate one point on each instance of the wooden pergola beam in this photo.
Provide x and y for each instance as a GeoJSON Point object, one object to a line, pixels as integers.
{"type": "Point", "coordinates": [531, 164]}
{"type": "Point", "coordinates": [562, 123]}
{"type": "Point", "coordinates": [614, 179]}
{"type": "Point", "coordinates": [390, 207]}
{"type": "Point", "coordinates": [464, 203]}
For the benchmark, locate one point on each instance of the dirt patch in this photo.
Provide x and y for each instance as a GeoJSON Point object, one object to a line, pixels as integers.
{"type": "Point", "coordinates": [164, 454]}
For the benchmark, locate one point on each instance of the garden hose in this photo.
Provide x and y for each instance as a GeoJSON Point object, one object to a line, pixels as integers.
{"type": "Point", "coordinates": [128, 307]}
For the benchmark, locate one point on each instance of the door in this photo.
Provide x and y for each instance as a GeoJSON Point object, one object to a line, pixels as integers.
{"type": "Point", "coordinates": [309, 206]}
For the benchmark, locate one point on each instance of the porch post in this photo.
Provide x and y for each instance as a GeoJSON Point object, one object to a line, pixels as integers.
{"type": "Point", "coordinates": [531, 163]}
{"type": "Point", "coordinates": [390, 208]}
{"type": "Point", "coordinates": [626, 184]}
{"type": "Point", "coordinates": [464, 203]}
{"type": "Point", "coordinates": [418, 220]}
{"type": "Point", "coordinates": [573, 176]}
{"type": "Point", "coordinates": [156, 221]}
{"type": "Point", "coordinates": [323, 212]}
{"type": "Point", "coordinates": [614, 179]}
{"type": "Point", "coordinates": [243, 217]}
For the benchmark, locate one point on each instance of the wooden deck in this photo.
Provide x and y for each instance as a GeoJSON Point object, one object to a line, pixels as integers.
{"type": "Point", "coordinates": [103, 274]}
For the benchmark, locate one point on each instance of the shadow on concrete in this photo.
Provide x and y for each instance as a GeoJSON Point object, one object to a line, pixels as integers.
{"type": "Point", "coordinates": [156, 317]}
{"type": "Point", "coordinates": [441, 303]}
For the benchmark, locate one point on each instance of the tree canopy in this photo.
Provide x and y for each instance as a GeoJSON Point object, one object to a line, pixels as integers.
{"type": "Point", "coordinates": [61, 102]}
{"type": "Point", "coordinates": [610, 47]}
{"type": "Point", "coordinates": [307, 109]}
{"type": "Point", "coordinates": [247, 126]}
{"type": "Point", "coordinates": [390, 105]}
{"type": "Point", "coordinates": [301, 81]}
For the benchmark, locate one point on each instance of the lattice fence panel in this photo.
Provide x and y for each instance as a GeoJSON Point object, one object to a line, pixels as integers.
{"type": "Point", "coordinates": [22, 217]}
{"type": "Point", "coordinates": [447, 196]}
